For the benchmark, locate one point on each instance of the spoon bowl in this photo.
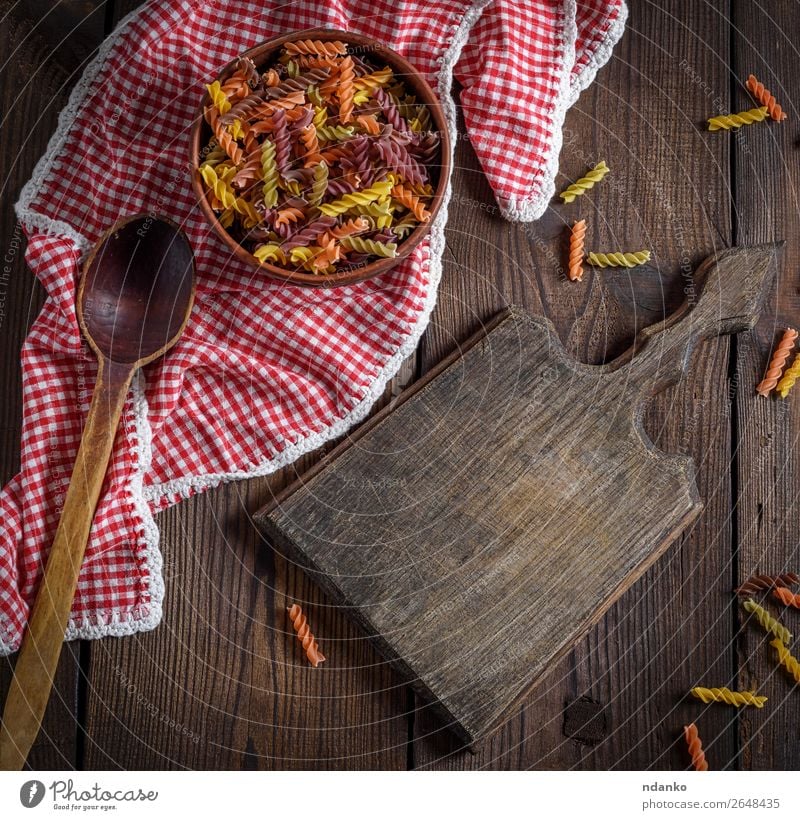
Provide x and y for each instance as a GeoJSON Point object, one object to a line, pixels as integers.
{"type": "Point", "coordinates": [136, 293]}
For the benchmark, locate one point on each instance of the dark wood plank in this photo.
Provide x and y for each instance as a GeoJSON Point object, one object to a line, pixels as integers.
{"type": "Point", "coordinates": [667, 192]}
{"type": "Point", "coordinates": [122, 8]}
{"type": "Point", "coordinates": [767, 466]}
{"type": "Point", "coordinates": [45, 48]}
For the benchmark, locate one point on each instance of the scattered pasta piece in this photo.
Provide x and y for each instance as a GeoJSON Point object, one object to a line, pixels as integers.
{"type": "Point", "coordinates": [728, 121]}
{"type": "Point", "coordinates": [763, 97]}
{"type": "Point", "coordinates": [768, 622]}
{"type": "Point", "coordinates": [788, 379]}
{"type": "Point", "coordinates": [777, 362]}
{"type": "Point", "coordinates": [618, 260]}
{"type": "Point", "coordinates": [576, 248]}
{"type": "Point", "coordinates": [301, 627]}
{"type": "Point", "coordinates": [757, 583]}
{"type": "Point", "coordinates": [585, 182]}
{"type": "Point", "coordinates": [787, 660]}
{"type": "Point", "coordinates": [787, 598]}
{"type": "Point", "coordinates": [692, 737]}
{"type": "Point", "coordinates": [725, 695]}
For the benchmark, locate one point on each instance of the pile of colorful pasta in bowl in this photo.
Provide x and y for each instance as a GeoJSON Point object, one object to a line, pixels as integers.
{"type": "Point", "coordinates": [321, 157]}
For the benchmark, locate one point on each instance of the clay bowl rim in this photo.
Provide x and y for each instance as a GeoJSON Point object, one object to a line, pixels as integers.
{"type": "Point", "coordinates": [417, 84]}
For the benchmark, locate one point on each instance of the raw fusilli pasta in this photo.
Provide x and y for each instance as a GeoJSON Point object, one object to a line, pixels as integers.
{"type": "Point", "coordinates": [589, 180]}
{"type": "Point", "coordinates": [777, 362]}
{"type": "Point", "coordinates": [314, 156]}
{"type": "Point", "coordinates": [269, 174]}
{"type": "Point", "coordinates": [765, 98]}
{"type": "Point", "coordinates": [576, 247]}
{"type": "Point", "coordinates": [728, 121]}
{"type": "Point", "coordinates": [789, 378]}
{"type": "Point", "coordinates": [757, 583]}
{"type": "Point", "coordinates": [786, 659]}
{"type": "Point", "coordinates": [304, 635]}
{"type": "Point", "coordinates": [618, 260]}
{"type": "Point", "coordinates": [787, 598]}
{"type": "Point", "coordinates": [692, 738]}
{"type": "Point", "coordinates": [370, 246]}
{"type": "Point", "coordinates": [725, 695]}
{"type": "Point", "coordinates": [768, 622]}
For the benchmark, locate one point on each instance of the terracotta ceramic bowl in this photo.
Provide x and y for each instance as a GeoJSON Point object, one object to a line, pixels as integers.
{"type": "Point", "coordinates": [265, 54]}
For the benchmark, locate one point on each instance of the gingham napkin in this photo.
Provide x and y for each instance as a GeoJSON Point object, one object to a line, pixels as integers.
{"type": "Point", "coordinates": [264, 372]}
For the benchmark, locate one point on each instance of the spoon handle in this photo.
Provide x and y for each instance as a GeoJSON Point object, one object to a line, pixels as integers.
{"type": "Point", "coordinates": [41, 645]}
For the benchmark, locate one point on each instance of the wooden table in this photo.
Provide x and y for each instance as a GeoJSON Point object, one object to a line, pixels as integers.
{"type": "Point", "coordinates": [220, 684]}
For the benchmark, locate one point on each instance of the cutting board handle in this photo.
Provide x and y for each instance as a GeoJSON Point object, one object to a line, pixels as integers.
{"type": "Point", "coordinates": [727, 295]}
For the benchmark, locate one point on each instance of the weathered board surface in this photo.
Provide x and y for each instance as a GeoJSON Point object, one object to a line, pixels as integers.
{"type": "Point", "coordinates": [480, 528]}
{"type": "Point", "coordinates": [765, 464]}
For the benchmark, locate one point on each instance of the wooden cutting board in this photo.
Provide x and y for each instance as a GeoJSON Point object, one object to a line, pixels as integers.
{"type": "Point", "coordinates": [478, 527]}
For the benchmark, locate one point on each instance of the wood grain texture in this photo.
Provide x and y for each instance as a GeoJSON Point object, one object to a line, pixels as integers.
{"type": "Point", "coordinates": [668, 191]}
{"type": "Point", "coordinates": [766, 462]}
{"type": "Point", "coordinates": [617, 700]}
{"type": "Point", "coordinates": [45, 49]}
{"type": "Point", "coordinates": [516, 498]}
{"type": "Point", "coordinates": [223, 682]}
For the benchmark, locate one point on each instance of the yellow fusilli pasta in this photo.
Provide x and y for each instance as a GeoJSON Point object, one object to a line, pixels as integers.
{"type": "Point", "coordinates": [269, 174]}
{"type": "Point", "coordinates": [790, 376]}
{"type": "Point", "coordinates": [363, 197]}
{"type": "Point", "coordinates": [369, 81]}
{"type": "Point", "coordinates": [221, 190]}
{"type": "Point", "coordinates": [387, 250]}
{"type": "Point", "coordinates": [218, 98]}
{"type": "Point", "coordinates": [589, 180]}
{"type": "Point", "coordinates": [329, 133]}
{"type": "Point", "coordinates": [270, 252]}
{"type": "Point", "coordinates": [787, 660]}
{"type": "Point", "coordinates": [618, 260]}
{"type": "Point", "coordinates": [725, 695]}
{"type": "Point", "coordinates": [728, 121]}
{"type": "Point", "coordinates": [768, 622]}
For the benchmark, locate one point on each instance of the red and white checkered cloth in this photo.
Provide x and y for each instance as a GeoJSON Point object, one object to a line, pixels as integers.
{"type": "Point", "coordinates": [264, 372]}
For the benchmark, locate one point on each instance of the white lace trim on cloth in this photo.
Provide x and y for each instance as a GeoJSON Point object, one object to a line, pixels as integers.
{"type": "Point", "coordinates": [98, 625]}
{"type": "Point", "coordinates": [526, 210]}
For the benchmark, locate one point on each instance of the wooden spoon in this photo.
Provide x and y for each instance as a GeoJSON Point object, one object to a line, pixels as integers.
{"type": "Point", "coordinates": [134, 300]}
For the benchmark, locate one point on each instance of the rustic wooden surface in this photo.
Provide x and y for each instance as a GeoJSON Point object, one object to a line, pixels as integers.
{"type": "Point", "coordinates": [514, 499]}
{"type": "Point", "coordinates": [221, 684]}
